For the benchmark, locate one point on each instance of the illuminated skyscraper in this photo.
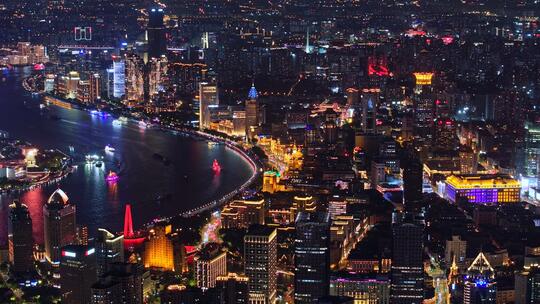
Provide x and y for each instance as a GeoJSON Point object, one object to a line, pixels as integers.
{"type": "Point", "coordinates": [77, 273]}
{"type": "Point", "coordinates": [311, 257]}
{"type": "Point", "coordinates": [157, 44]}
{"type": "Point", "coordinates": [134, 78]}
{"type": "Point", "coordinates": [413, 173]}
{"type": "Point", "coordinates": [232, 289]}
{"type": "Point", "coordinates": [59, 225]}
{"type": "Point", "coordinates": [424, 105]}
{"type": "Point", "coordinates": [252, 112]}
{"type": "Point", "coordinates": [21, 242]}
{"type": "Point", "coordinates": [208, 99]}
{"type": "Point", "coordinates": [210, 263]}
{"type": "Point", "coordinates": [119, 78]}
{"type": "Point", "coordinates": [527, 289]}
{"type": "Point", "coordinates": [260, 253]}
{"type": "Point", "coordinates": [369, 103]}
{"type": "Point", "coordinates": [123, 283]}
{"type": "Point", "coordinates": [159, 250]}
{"type": "Point", "coordinates": [407, 261]}
{"type": "Point", "coordinates": [480, 286]}
{"type": "Point", "coordinates": [157, 75]}
{"type": "Point", "coordinates": [109, 249]}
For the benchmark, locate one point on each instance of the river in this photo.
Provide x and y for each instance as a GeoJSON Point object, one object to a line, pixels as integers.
{"type": "Point", "coordinates": [187, 182]}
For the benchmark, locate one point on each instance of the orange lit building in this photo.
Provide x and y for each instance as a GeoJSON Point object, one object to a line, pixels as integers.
{"type": "Point", "coordinates": [243, 213]}
{"type": "Point", "coordinates": [159, 250]}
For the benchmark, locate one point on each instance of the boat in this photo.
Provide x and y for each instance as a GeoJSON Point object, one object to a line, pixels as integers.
{"type": "Point", "coordinates": [91, 158]}
{"type": "Point", "coordinates": [212, 144]}
{"type": "Point", "coordinates": [109, 149]}
{"type": "Point", "coordinates": [123, 119]}
{"type": "Point", "coordinates": [117, 123]}
{"type": "Point", "coordinates": [112, 177]}
{"type": "Point", "coordinates": [216, 167]}
{"type": "Point", "coordinates": [143, 124]}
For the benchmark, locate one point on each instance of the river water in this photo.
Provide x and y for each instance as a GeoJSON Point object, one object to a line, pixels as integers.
{"type": "Point", "coordinates": [153, 188]}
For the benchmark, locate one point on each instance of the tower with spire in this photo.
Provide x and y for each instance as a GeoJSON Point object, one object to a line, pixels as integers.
{"type": "Point", "coordinates": [308, 46]}
{"type": "Point", "coordinates": [252, 112]}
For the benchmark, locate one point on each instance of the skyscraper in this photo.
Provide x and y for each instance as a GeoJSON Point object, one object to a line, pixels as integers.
{"type": "Point", "coordinates": [119, 78]}
{"type": "Point", "coordinates": [157, 44]}
{"type": "Point", "coordinates": [370, 100]}
{"type": "Point", "coordinates": [77, 273]}
{"type": "Point", "coordinates": [407, 262]}
{"type": "Point", "coordinates": [260, 254]}
{"type": "Point", "coordinates": [312, 257]}
{"type": "Point", "coordinates": [134, 76]}
{"type": "Point", "coordinates": [252, 112]}
{"type": "Point", "coordinates": [109, 249]}
{"type": "Point", "coordinates": [208, 99]}
{"type": "Point", "coordinates": [159, 250]}
{"type": "Point", "coordinates": [527, 288]}
{"type": "Point", "coordinates": [480, 286]}
{"type": "Point", "coordinates": [123, 283]}
{"type": "Point", "coordinates": [413, 173]}
{"type": "Point", "coordinates": [157, 75]}
{"type": "Point", "coordinates": [232, 289]}
{"type": "Point", "coordinates": [20, 238]}
{"type": "Point", "coordinates": [59, 225]}
{"type": "Point", "coordinates": [210, 263]}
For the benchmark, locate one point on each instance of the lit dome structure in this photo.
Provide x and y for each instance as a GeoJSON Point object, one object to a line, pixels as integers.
{"type": "Point", "coordinates": [58, 197]}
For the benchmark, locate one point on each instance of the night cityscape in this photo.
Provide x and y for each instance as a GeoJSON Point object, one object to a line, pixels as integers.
{"type": "Point", "coordinates": [270, 151]}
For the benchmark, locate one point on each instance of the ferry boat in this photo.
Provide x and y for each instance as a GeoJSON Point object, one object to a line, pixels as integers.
{"type": "Point", "coordinates": [143, 124]}
{"type": "Point", "coordinates": [112, 177]}
{"type": "Point", "coordinates": [216, 167]}
{"type": "Point", "coordinates": [109, 149]}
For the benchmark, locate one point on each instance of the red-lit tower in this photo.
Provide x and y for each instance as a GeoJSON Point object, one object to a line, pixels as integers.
{"type": "Point", "coordinates": [131, 238]}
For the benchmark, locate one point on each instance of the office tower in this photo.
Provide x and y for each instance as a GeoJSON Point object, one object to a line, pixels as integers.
{"type": "Point", "coordinates": [480, 286]}
{"type": "Point", "coordinates": [407, 261]}
{"type": "Point", "coordinates": [532, 149]}
{"type": "Point", "coordinates": [232, 289]}
{"type": "Point", "coordinates": [455, 250]}
{"type": "Point", "coordinates": [363, 287]}
{"type": "Point", "coordinates": [369, 102]}
{"type": "Point", "coordinates": [77, 273]}
{"type": "Point", "coordinates": [59, 225]}
{"type": "Point", "coordinates": [208, 100]}
{"type": "Point", "coordinates": [157, 44]}
{"type": "Point", "coordinates": [134, 76]}
{"type": "Point", "coordinates": [83, 92]}
{"type": "Point", "coordinates": [423, 104]}
{"type": "Point", "coordinates": [106, 291]}
{"type": "Point", "coordinates": [413, 173]}
{"type": "Point", "coordinates": [527, 286]}
{"type": "Point", "coordinates": [312, 256]}
{"type": "Point", "coordinates": [119, 78]}
{"type": "Point", "coordinates": [81, 235]}
{"type": "Point", "coordinates": [123, 283]}
{"type": "Point", "coordinates": [210, 263]}
{"type": "Point", "coordinates": [159, 249]}
{"type": "Point", "coordinates": [95, 86]}
{"type": "Point", "coordinates": [252, 112]}
{"type": "Point", "coordinates": [20, 239]}
{"type": "Point", "coordinates": [157, 75]}
{"type": "Point", "coordinates": [337, 206]}
{"type": "Point", "coordinates": [260, 254]}
{"type": "Point", "coordinates": [109, 249]}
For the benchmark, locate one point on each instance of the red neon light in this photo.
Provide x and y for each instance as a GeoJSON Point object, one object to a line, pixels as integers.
{"type": "Point", "coordinates": [447, 40]}
{"type": "Point", "coordinates": [377, 66]}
